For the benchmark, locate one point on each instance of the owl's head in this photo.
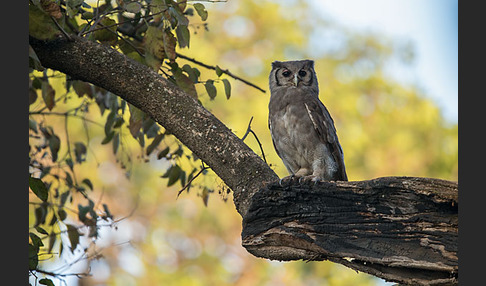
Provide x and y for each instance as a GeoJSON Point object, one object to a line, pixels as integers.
{"type": "Point", "coordinates": [297, 74]}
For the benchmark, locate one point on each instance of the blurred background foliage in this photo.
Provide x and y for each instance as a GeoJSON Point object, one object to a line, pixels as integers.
{"type": "Point", "coordinates": [113, 211]}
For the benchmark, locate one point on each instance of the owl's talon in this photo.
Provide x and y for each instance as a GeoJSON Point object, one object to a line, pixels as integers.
{"type": "Point", "coordinates": [301, 179]}
{"type": "Point", "coordinates": [288, 179]}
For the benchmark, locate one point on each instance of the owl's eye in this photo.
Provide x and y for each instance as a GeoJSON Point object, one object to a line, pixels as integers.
{"type": "Point", "coordinates": [286, 73]}
{"type": "Point", "coordinates": [302, 73]}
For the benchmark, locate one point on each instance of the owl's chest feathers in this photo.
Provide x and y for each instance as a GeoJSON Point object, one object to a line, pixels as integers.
{"type": "Point", "coordinates": [290, 115]}
{"type": "Point", "coordinates": [293, 127]}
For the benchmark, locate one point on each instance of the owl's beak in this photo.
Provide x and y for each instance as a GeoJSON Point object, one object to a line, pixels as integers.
{"type": "Point", "coordinates": [296, 79]}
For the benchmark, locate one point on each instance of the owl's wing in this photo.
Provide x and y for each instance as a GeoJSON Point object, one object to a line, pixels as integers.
{"type": "Point", "coordinates": [324, 126]}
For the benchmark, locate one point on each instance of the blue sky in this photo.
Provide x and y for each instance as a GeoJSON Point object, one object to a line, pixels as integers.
{"type": "Point", "coordinates": [432, 27]}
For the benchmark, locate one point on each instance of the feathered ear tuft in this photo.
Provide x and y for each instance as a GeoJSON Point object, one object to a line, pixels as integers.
{"type": "Point", "coordinates": [276, 64]}
{"type": "Point", "coordinates": [309, 63]}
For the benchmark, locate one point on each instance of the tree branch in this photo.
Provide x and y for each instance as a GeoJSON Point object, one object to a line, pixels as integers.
{"type": "Point", "coordinates": [402, 229]}
{"type": "Point", "coordinates": [226, 71]}
{"type": "Point", "coordinates": [227, 155]}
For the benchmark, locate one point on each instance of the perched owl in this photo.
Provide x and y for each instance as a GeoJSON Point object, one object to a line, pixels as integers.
{"type": "Point", "coordinates": [302, 129]}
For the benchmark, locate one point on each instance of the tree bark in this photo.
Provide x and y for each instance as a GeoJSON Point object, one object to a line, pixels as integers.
{"type": "Point", "coordinates": [402, 229]}
{"type": "Point", "coordinates": [398, 228]}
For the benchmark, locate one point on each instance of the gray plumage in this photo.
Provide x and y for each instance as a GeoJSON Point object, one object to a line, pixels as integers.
{"type": "Point", "coordinates": [302, 129]}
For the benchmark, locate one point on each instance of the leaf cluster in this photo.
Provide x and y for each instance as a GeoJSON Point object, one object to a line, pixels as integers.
{"type": "Point", "coordinates": [147, 31]}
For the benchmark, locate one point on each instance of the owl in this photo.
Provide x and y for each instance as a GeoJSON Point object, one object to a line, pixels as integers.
{"type": "Point", "coordinates": [302, 129]}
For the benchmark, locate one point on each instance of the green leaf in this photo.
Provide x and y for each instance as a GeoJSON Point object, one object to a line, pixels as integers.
{"type": "Point", "coordinates": [64, 197]}
{"type": "Point", "coordinates": [205, 196]}
{"type": "Point", "coordinates": [136, 120]}
{"type": "Point", "coordinates": [62, 214]}
{"type": "Point", "coordinates": [169, 44]}
{"type": "Point", "coordinates": [34, 61]}
{"type": "Point", "coordinates": [41, 230]}
{"type": "Point", "coordinates": [40, 214]}
{"type": "Point", "coordinates": [133, 7]}
{"type": "Point", "coordinates": [107, 212]}
{"type": "Point", "coordinates": [193, 73]}
{"type": "Point", "coordinates": [184, 82]}
{"type": "Point", "coordinates": [183, 36]}
{"type": "Point", "coordinates": [107, 35]}
{"type": "Point", "coordinates": [154, 47]}
{"type": "Point", "coordinates": [174, 175]}
{"type": "Point", "coordinates": [73, 235]}
{"type": "Point", "coordinates": [163, 153]}
{"type": "Point", "coordinates": [32, 95]}
{"type": "Point", "coordinates": [46, 281]}
{"type": "Point", "coordinates": [227, 88]}
{"type": "Point", "coordinates": [176, 13]}
{"type": "Point", "coordinates": [88, 183]}
{"type": "Point", "coordinates": [219, 71]}
{"type": "Point", "coordinates": [116, 142]}
{"type": "Point", "coordinates": [54, 146]}
{"type": "Point", "coordinates": [36, 241]}
{"type": "Point", "coordinates": [80, 152]}
{"type": "Point", "coordinates": [74, 3]}
{"type": "Point", "coordinates": [154, 143]}
{"type": "Point", "coordinates": [33, 125]}
{"type": "Point", "coordinates": [109, 122]}
{"type": "Point", "coordinates": [158, 6]}
{"type": "Point", "coordinates": [150, 128]}
{"type": "Point", "coordinates": [33, 257]}
{"type": "Point", "coordinates": [82, 88]}
{"type": "Point", "coordinates": [108, 138]}
{"type": "Point", "coordinates": [52, 240]}
{"type": "Point", "coordinates": [118, 122]}
{"type": "Point", "coordinates": [82, 212]}
{"type": "Point", "coordinates": [201, 11]}
{"type": "Point", "coordinates": [41, 25]}
{"type": "Point", "coordinates": [48, 94]}
{"type": "Point", "coordinates": [210, 88]}
{"type": "Point", "coordinates": [39, 188]}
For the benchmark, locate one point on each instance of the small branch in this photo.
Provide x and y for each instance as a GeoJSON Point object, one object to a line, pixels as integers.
{"type": "Point", "coordinates": [61, 29]}
{"type": "Point", "coordinates": [227, 72]}
{"type": "Point", "coordinates": [191, 180]}
{"type": "Point", "coordinates": [248, 130]}
{"type": "Point", "coordinates": [65, 114]}
{"type": "Point", "coordinates": [79, 275]}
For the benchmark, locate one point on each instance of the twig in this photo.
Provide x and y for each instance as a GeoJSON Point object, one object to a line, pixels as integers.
{"type": "Point", "coordinates": [227, 72]}
{"type": "Point", "coordinates": [248, 130]}
{"type": "Point", "coordinates": [67, 113]}
{"type": "Point", "coordinates": [191, 180]}
{"type": "Point", "coordinates": [61, 29]}
{"type": "Point", "coordinates": [79, 275]}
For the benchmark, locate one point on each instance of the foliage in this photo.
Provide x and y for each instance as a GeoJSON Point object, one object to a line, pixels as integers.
{"type": "Point", "coordinates": [76, 131]}
{"type": "Point", "coordinates": [147, 31]}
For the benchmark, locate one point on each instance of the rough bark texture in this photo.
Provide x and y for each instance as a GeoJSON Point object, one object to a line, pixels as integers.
{"type": "Point", "coordinates": [401, 229]}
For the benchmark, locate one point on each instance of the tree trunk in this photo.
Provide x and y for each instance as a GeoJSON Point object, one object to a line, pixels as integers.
{"type": "Point", "coordinates": [401, 229]}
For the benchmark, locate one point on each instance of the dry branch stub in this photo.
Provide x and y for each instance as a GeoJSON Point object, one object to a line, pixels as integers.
{"type": "Point", "coordinates": [402, 229]}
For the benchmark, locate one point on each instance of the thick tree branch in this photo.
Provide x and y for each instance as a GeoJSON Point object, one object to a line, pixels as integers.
{"type": "Point", "coordinates": [227, 155]}
{"type": "Point", "coordinates": [402, 229]}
